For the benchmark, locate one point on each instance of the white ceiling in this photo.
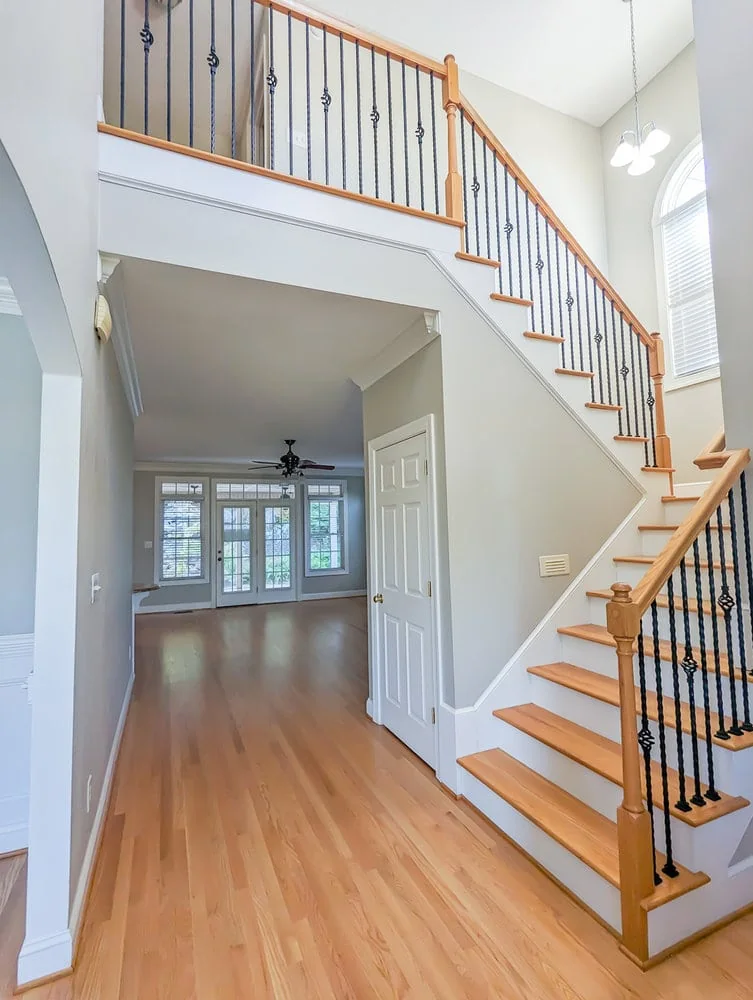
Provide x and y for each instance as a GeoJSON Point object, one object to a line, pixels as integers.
{"type": "Point", "coordinates": [229, 367]}
{"type": "Point", "coordinates": [572, 55]}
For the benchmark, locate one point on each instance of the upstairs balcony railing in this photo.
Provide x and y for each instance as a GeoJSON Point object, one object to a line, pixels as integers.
{"type": "Point", "coordinates": [274, 86]}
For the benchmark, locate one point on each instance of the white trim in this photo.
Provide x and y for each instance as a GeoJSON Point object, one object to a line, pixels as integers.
{"type": "Point", "coordinates": [672, 384]}
{"type": "Point", "coordinates": [87, 866]}
{"type": "Point", "coordinates": [423, 425]}
{"type": "Point", "coordinates": [19, 649]}
{"type": "Point", "coordinates": [45, 956]}
{"type": "Point", "coordinates": [420, 333]}
{"type": "Point", "coordinates": [205, 504]}
{"type": "Point", "coordinates": [332, 594]}
{"type": "Point", "coordinates": [8, 301]}
{"type": "Point", "coordinates": [343, 501]}
{"type": "Point", "coordinates": [111, 285]}
{"type": "Point", "coordinates": [14, 837]}
{"type": "Point", "coordinates": [370, 707]}
{"type": "Point", "coordinates": [154, 609]}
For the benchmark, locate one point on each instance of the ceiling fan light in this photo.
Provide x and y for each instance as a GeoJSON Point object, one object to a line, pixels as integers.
{"type": "Point", "coordinates": [641, 164]}
{"type": "Point", "coordinates": [626, 151]}
{"type": "Point", "coordinates": [655, 140]}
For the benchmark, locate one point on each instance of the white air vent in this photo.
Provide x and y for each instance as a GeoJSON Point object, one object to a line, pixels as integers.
{"type": "Point", "coordinates": [554, 565]}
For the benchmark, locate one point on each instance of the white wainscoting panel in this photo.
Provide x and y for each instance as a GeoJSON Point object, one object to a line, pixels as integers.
{"type": "Point", "coordinates": [16, 662]}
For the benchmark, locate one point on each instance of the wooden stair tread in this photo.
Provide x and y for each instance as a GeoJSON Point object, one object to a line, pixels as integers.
{"type": "Point", "coordinates": [544, 336]}
{"type": "Point", "coordinates": [631, 438]}
{"type": "Point", "coordinates": [671, 528]}
{"type": "Point", "coordinates": [604, 406]}
{"type": "Point", "coordinates": [511, 299]}
{"type": "Point", "coordinates": [604, 757]}
{"type": "Point", "coordinates": [674, 499]}
{"type": "Point", "coordinates": [648, 560]}
{"type": "Point", "coordinates": [473, 259]}
{"type": "Point", "coordinates": [657, 468]}
{"type": "Point", "coordinates": [573, 371]}
{"type": "Point", "coordinates": [606, 689]}
{"type": "Point", "coordinates": [662, 601]}
{"type": "Point", "coordinates": [581, 830]}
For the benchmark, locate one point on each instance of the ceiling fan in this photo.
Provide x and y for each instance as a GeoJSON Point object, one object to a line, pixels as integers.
{"type": "Point", "coordinates": [289, 464]}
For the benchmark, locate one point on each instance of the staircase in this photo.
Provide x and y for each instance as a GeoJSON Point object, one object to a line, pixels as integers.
{"type": "Point", "coordinates": [613, 747]}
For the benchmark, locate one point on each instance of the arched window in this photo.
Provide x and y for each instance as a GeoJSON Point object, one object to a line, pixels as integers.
{"type": "Point", "coordinates": [685, 279]}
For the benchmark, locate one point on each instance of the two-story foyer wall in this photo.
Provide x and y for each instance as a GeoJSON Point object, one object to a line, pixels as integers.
{"type": "Point", "coordinates": [193, 595]}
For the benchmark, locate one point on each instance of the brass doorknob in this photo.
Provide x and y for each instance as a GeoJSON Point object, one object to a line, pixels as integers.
{"type": "Point", "coordinates": [378, 599]}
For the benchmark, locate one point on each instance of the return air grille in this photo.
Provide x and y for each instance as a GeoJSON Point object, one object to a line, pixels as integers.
{"type": "Point", "coordinates": [554, 565]}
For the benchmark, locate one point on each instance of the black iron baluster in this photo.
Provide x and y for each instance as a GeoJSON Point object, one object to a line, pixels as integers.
{"type": "Point", "coordinates": [746, 725]}
{"type": "Point", "coordinates": [624, 372]}
{"type": "Point", "coordinates": [290, 94]}
{"type": "Point", "coordinates": [746, 536]}
{"type": "Point", "coordinates": [607, 366]}
{"type": "Point", "coordinates": [508, 228]}
{"type": "Point", "coordinates": [252, 82]}
{"type": "Point", "coordinates": [721, 732]}
{"type": "Point", "coordinates": [646, 742]}
{"type": "Point", "coordinates": [559, 293]}
{"type": "Point", "coordinates": [169, 69]}
{"type": "Point", "coordinates": [540, 270]}
{"type": "Point", "coordinates": [375, 121]}
{"type": "Point", "coordinates": [569, 302]}
{"type": "Point", "coordinates": [389, 129]}
{"type": "Point", "coordinates": [669, 868]}
{"type": "Point", "coordinates": [342, 112]}
{"type": "Point", "coordinates": [528, 249]}
{"type": "Point", "coordinates": [419, 133]}
{"type": "Point", "coordinates": [726, 602]}
{"type": "Point", "coordinates": [588, 333]}
{"type": "Point", "coordinates": [552, 330]}
{"type": "Point", "coordinates": [682, 803]}
{"type": "Point", "coordinates": [498, 222]}
{"type": "Point", "coordinates": [326, 100]}
{"type": "Point", "coordinates": [405, 134]}
{"type": "Point", "coordinates": [617, 371]}
{"type": "Point", "coordinates": [690, 667]}
{"type": "Point", "coordinates": [308, 97]}
{"type": "Point", "coordinates": [466, 241]}
{"type": "Point", "coordinates": [486, 204]}
{"type": "Point", "coordinates": [432, 83]}
{"type": "Point", "coordinates": [213, 63]}
{"type": "Point", "coordinates": [516, 191]}
{"type": "Point", "coordinates": [579, 320]}
{"type": "Point", "coordinates": [650, 403]}
{"type": "Point", "coordinates": [272, 85]}
{"type": "Point", "coordinates": [598, 338]}
{"type": "Point", "coordinates": [475, 188]}
{"type": "Point", "coordinates": [147, 39]}
{"type": "Point", "coordinates": [191, 85]}
{"type": "Point", "coordinates": [233, 83]}
{"type": "Point", "coordinates": [122, 61]}
{"type": "Point", "coordinates": [642, 384]}
{"type": "Point", "coordinates": [631, 340]}
{"type": "Point", "coordinates": [711, 792]}
{"type": "Point", "coordinates": [359, 111]}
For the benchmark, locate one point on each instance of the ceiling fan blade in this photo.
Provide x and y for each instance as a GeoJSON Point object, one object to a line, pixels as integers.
{"type": "Point", "coordinates": [315, 465]}
{"type": "Point", "coordinates": [263, 461]}
{"type": "Point", "coordinates": [264, 465]}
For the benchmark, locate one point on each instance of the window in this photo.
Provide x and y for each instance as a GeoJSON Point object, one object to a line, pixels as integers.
{"type": "Point", "coordinates": [686, 283]}
{"type": "Point", "coordinates": [181, 532]}
{"type": "Point", "coordinates": [255, 491]}
{"type": "Point", "coordinates": [326, 547]}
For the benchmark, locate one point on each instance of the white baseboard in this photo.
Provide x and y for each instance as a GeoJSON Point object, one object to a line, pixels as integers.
{"type": "Point", "coordinates": [333, 594]}
{"type": "Point", "coordinates": [370, 707]}
{"type": "Point", "coordinates": [156, 609]}
{"type": "Point", "coordinates": [87, 866]}
{"type": "Point", "coordinates": [14, 824]}
{"type": "Point", "coordinates": [44, 957]}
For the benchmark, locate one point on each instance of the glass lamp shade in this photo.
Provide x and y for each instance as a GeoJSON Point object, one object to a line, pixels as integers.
{"type": "Point", "coordinates": [641, 164]}
{"type": "Point", "coordinates": [655, 140]}
{"type": "Point", "coordinates": [625, 152]}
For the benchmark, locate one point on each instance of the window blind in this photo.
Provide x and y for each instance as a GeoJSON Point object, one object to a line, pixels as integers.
{"type": "Point", "coordinates": [690, 290]}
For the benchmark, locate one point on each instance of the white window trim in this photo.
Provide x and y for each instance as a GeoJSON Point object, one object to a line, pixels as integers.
{"type": "Point", "coordinates": [673, 182]}
{"type": "Point", "coordinates": [344, 570]}
{"type": "Point", "coordinates": [205, 508]}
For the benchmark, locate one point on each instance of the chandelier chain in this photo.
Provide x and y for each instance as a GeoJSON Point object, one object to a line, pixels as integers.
{"type": "Point", "coordinates": [635, 72]}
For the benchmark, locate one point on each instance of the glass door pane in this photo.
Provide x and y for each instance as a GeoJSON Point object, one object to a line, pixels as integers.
{"type": "Point", "coordinates": [235, 555]}
{"type": "Point", "coordinates": [277, 580]}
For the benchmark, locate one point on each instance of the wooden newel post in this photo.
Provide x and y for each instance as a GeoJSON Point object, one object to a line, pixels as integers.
{"type": "Point", "coordinates": [658, 370]}
{"type": "Point", "coordinates": [633, 819]}
{"type": "Point", "coordinates": [451, 103]}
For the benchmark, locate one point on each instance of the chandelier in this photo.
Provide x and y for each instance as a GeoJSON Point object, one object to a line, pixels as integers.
{"type": "Point", "coordinates": [638, 147]}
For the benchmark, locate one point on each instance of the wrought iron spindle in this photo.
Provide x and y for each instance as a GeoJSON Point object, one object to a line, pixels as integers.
{"type": "Point", "coordinates": [631, 340]}
{"type": "Point", "coordinates": [359, 112]}
{"type": "Point", "coordinates": [690, 666]}
{"type": "Point", "coordinates": [682, 803]}
{"type": "Point", "coordinates": [727, 602]}
{"type": "Point", "coordinates": [463, 159]}
{"type": "Point", "coordinates": [540, 270]}
{"type": "Point", "coordinates": [169, 69]}
{"type": "Point", "coordinates": [390, 128]}
{"type": "Point", "coordinates": [191, 83]}
{"type": "Point", "coordinates": [375, 121]}
{"type": "Point", "coordinates": [475, 188]}
{"type": "Point", "coordinates": [607, 363]}
{"type": "Point", "coordinates": [290, 93]}
{"type": "Point", "coordinates": [432, 84]}
{"type": "Point", "coordinates": [508, 228]}
{"type": "Point", "coordinates": [486, 202]}
{"type": "Point", "coordinates": [552, 328]}
{"type": "Point", "coordinates": [213, 63]}
{"type": "Point", "coordinates": [559, 291]}
{"type": "Point", "coordinates": [746, 725]}
{"type": "Point", "coordinates": [419, 133]}
{"type": "Point", "coordinates": [624, 372]}
{"type": "Point", "coordinates": [646, 742]}
{"type": "Point", "coordinates": [618, 390]}
{"type": "Point", "coordinates": [579, 319]}
{"type": "Point", "coordinates": [342, 113]}
{"type": "Point", "coordinates": [650, 403]}
{"type": "Point", "coordinates": [147, 39]}
{"type": "Point", "coordinates": [721, 732]}
{"type": "Point", "coordinates": [326, 100]}
{"type": "Point", "coordinates": [598, 338]}
{"type": "Point", "coordinates": [518, 240]}
{"type": "Point", "coordinates": [588, 333]}
{"type": "Point", "coordinates": [569, 302]}
{"type": "Point", "coordinates": [669, 868]}
{"type": "Point", "coordinates": [272, 86]}
{"type": "Point", "coordinates": [405, 133]}
{"type": "Point", "coordinates": [711, 792]}
{"type": "Point", "coordinates": [252, 81]}
{"type": "Point", "coordinates": [748, 559]}
{"type": "Point", "coordinates": [528, 248]}
{"type": "Point", "coordinates": [498, 223]}
{"type": "Point", "coordinates": [122, 61]}
{"type": "Point", "coordinates": [307, 36]}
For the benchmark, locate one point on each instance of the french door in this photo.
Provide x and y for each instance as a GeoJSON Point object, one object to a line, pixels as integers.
{"type": "Point", "coordinates": [255, 558]}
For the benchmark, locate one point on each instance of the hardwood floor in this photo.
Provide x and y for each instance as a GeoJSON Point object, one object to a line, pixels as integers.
{"type": "Point", "coordinates": [266, 840]}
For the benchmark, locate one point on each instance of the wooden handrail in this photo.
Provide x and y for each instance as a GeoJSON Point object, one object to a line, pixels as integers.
{"type": "Point", "coordinates": [677, 547]}
{"type": "Point", "coordinates": [554, 220]}
{"type": "Point", "coordinates": [352, 33]}
{"type": "Point", "coordinates": [715, 454]}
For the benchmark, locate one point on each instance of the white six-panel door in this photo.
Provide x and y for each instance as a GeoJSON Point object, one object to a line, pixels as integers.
{"type": "Point", "coordinates": [402, 613]}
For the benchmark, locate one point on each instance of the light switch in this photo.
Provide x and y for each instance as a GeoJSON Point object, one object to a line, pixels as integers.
{"type": "Point", "coordinates": [148, 545]}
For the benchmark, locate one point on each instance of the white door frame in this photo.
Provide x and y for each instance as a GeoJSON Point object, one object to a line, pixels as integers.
{"type": "Point", "coordinates": [424, 425]}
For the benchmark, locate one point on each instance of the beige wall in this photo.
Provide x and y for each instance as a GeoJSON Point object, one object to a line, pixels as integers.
{"type": "Point", "coordinates": [694, 413]}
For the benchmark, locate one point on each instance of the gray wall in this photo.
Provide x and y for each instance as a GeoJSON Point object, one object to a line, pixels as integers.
{"type": "Point", "coordinates": [143, 559]}
{"type": "Point", "coordinates": [410, 391]}
{"type": "Point", "coordinates": [694, 412]}
{"type": "Point", "coordinates": [20, 402]}
{"type": "Point", "coordinates": [724, 42]}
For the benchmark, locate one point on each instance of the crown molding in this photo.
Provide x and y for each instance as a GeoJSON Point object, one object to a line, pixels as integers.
{"type": "Point", "coordinates": [238, 469]}
{"type": "Point", "coordinates": [8, 301]}
{"type": "Point", "coordinates": [111, 285]}
{"type": "Point", "coordinates": [420, 333]}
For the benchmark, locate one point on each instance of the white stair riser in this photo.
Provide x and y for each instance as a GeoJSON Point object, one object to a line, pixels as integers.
{"type": "Point", "coordinates": [652, 543]}
{"type": "Point", "coordinates": [598, 615]}
{"type": "Point", "coordinates": [582, 881]}
{"type": "Point", "coordinates": [477, 279]}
